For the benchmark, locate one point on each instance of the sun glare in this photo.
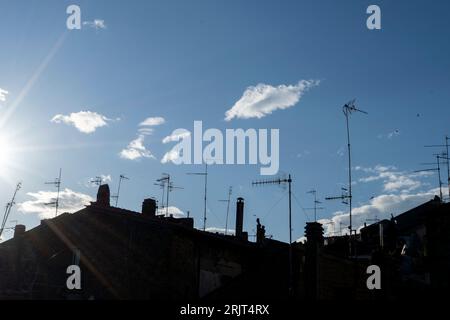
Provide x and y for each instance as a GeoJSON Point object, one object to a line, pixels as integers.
{"type": "Point", "coordinates": [6, 152]}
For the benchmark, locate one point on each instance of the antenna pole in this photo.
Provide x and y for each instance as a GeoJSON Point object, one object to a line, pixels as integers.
{"type": "Point", "coordinates": [228, 208]}
{"type": "Point", "coordinates": [9, 205]}
{"type": "Point", "coordinates": [121, 177]}
{"type": "Point", "coordinates": [167, 195]}
{"type": "Point", "coordinates": [438, 158]}
{"type": "Point", "coordinates": [58, 185]}
{"type": "Point", "coordinates": [290, 239]}
{"type": "Point", "coordinates": [348, 109]}
{"type": "Point", "coordinates": [289, 182]}
{"type": "Point", "coordinates": [206, 189]}
{"type": "Point", "coordinates": [349, 177]}
{"type": "Point", "coordinates": [446, 157]}
{"type": "Point", "coordinates": [315, 206]}
{"type": "Point", "coordinates": [448, 165]}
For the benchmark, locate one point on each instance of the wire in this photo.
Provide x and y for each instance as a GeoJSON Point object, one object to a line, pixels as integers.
{"type": "Point", "coordinates": [303, 209]}
{"type": "Point", "coordinates": [276, 203]}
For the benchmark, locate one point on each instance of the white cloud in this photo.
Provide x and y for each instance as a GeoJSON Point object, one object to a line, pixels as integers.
{"type": "Point", "coordinates": [174, 211]}
{"type": "Point", "coordinates": [177, 135]}
{"type": "Point", "coordinates": [84, 121]}
{"type": "Point", "coordinates": [136, 149]}
{"type": "Point", "coordinates": [393, 180]}
{"type": "Point", "coordinates": [3, 94]}
{"type": "Point", "coordinates": [69, 201]}
{"type": "Point", "coordinates": [146, 131]}
{"type": "Point", "coordinates": [380, 207]}
{"type": "Point", "coordinates": [261, 100]}
{"type": "Point", "coordinates": [301, 239]}
{"type": "Point", "coordinates": [106, 178]}
{"type": "Point", "coordinates": [152, 121]}
{"type": "Point", "coordinates": [95, 24]}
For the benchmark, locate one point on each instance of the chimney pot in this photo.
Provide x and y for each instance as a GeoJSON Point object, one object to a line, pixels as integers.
{"type": "Point", "coordinates": [149, 207]}
{"type": "Point", "coordinates": [239, 218]}
{"type": "Point", "coordinates": [103, 195]}
{"type": "Point", "coordinates": [19, 230]}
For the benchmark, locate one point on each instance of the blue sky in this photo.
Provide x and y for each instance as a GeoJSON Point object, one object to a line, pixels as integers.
{"type": "Point", "coordinates": [186, 61]}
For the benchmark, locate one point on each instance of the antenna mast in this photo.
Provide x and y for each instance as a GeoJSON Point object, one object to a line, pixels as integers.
{"type": "Point", "coordinates": [230, 190]}
{"type": "Point", "coordinates": [348, 108]}
{"type": "Point", "coordinates": [121, 177]}
{"type": "Point", "coordinates": [280, 181]}
{"type": "Point", "coordinates": [446, 154]}
{"type": "Point", "coordinates": [205, 174]}
{"type": "Point", "coordinates": [438, 169]}
{"type": "Point", "coordinates": [57, 184]}
{"type": "Point", "coordinates": [316, 202]}
{"type": "Point", "coordinates": [97, 181]}
{"type": "Point", "coordinates": [9, 205]}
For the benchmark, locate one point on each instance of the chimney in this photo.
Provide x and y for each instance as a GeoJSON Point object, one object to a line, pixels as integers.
{"type": "Point", "coordinates": [239, 217]}
{"type": "Point", "coordinates": [19, 230]}
{"type": "Point", "coordinates": [103, 196]}
{"type": "Point", "coordinates": [149, 207]}
{"type": "Point", "coordinates": [314, 245]}
{"type": "Point", "coordinates": [314, 234]}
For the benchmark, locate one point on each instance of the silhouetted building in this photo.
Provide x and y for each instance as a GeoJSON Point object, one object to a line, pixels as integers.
{"type": "Point", "coordinates": [124, 254]}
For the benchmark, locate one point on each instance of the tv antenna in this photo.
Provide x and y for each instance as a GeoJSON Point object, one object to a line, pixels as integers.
{"type": "Point", "coordinates": [205, 174]}
{"type": "Point", "coordinates": [283, 181]}
{"type": "Point", "coordinates": [97, 181]}
{"type": "Point", "coordinates": [316, 202]}
{"type": "Point", "coordinates": [162, 185]}
{"type": "Point", "coordinates": [167, 185]}
{"type": "Point", "coordinates": [9, 206]}
{"type": "Point", "coordinates": [121, 177]}
{"type": "Point", "coordinates": [57, 184]}
{"type": "Point", "coordinates": [230, 190]}
{"type": "Point", "coordinates": [348, 109]}
{"type": "Point", "coordinates": [437, 168]}
{"type": "Point", "coordinates": [446, 145]}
